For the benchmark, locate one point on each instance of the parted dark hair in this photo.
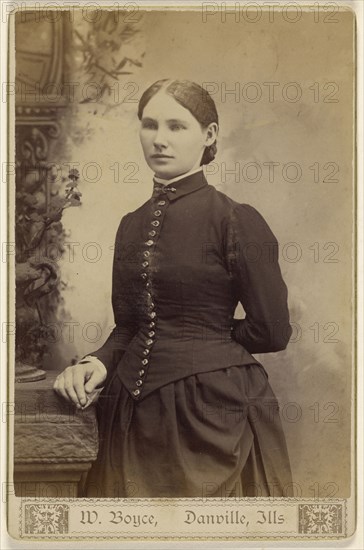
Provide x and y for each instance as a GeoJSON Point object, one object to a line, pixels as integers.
{"type": "Point", "coordinates": [192, 97]}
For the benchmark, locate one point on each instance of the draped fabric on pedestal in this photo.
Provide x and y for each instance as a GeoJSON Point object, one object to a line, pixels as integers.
{"type": "Point", "coordinates": [186, 409]}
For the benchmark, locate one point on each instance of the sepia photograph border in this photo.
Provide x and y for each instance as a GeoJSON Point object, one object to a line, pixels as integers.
{"type": "Point", "coordinates": [16, 511]}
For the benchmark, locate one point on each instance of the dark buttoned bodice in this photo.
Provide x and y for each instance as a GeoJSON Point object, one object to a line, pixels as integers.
{"type": "Point", "coordinates": [182, 262]}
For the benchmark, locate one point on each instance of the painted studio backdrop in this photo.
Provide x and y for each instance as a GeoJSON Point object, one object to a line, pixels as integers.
{"type": "Point", "coordinates": [283, 86]}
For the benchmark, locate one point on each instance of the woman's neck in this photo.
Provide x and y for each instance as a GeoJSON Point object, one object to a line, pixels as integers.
{"type": "Point", "coordinates": [181, 176]}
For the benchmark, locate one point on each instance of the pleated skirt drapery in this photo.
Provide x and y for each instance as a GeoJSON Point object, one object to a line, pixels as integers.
{"type": "Point", "coordinates": [214, 434]}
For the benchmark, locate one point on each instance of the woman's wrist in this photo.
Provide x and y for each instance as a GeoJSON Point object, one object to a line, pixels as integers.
{"type": "Point", "coordinates": [95, 361]}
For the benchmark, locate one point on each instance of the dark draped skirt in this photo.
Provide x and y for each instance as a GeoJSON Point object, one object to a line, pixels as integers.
{"type": "Point", "coordinates": [214, 434]}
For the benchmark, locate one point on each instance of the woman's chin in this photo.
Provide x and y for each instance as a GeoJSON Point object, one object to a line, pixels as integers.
{"type": "Point", "coordinates": [170, 173]}
{"type": "Point", "coordinates": [165, 174]}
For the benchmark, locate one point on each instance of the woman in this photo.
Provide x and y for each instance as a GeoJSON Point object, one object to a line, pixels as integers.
{"type": "Point", "coordinates": [186, 410]}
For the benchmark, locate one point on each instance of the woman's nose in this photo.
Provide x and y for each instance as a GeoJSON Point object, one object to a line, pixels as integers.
{"type": "Point", "coordinates": [160, 138]}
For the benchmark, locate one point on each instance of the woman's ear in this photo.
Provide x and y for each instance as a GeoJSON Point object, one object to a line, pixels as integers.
{"type": "Point", "coordinates": [211, 133]}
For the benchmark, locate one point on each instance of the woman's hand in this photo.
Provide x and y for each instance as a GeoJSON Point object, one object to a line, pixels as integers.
{"type": "Point", "coordinates": [76, 382]}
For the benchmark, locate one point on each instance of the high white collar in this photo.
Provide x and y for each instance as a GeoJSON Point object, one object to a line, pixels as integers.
{"type": "Point", "coordinates": [181, 176]}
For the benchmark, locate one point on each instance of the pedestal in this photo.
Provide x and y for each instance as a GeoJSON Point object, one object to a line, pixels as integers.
{"type": "Point", "coordinates": [54, 443]}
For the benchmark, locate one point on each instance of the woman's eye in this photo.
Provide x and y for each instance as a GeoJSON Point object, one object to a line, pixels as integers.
{"type": "Point", "coordinates": [149, 125]}
{"type": "Point", "coordinates": [176, 127]}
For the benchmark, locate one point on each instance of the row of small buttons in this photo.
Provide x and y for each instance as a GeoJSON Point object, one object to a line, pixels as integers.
{"type": "Point", "coordinates": [151, 306]}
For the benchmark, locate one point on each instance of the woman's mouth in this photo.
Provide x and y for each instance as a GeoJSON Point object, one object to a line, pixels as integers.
{"type": "Point", "coordinates": [161, 156]}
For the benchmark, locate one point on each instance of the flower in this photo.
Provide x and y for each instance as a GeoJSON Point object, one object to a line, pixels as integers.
{"type": "Point", "coordinates": [74, 174]}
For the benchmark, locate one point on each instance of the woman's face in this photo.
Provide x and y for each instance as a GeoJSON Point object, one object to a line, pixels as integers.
{"type": "Point", "coordinates": [172, 139]}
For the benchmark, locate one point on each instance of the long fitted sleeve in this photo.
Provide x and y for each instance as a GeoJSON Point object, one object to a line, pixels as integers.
{"type": "Point", "coordinates": [125, 327]}
{"type": "Point", "coordinates": [258, 282]}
